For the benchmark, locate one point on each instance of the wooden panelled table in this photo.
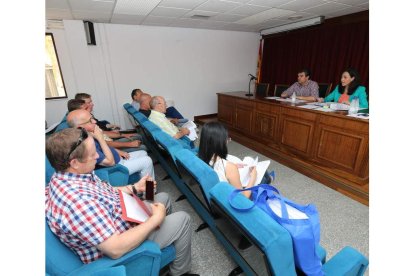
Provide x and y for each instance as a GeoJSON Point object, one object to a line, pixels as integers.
{"type": "Point", "coordinates": [329, 147]}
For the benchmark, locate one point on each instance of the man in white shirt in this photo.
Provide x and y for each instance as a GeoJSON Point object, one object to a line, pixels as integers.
{"type": "Point", "coordinates": [157, 116]}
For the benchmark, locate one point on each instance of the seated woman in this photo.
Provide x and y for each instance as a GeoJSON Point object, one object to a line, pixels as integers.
{"type": "Point", "coordinates": [348, 89]}
{"type": "Point", "coordinates": [213, 151]}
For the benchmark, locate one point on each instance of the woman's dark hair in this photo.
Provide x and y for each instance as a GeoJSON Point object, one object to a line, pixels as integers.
{"type": "Point", "coordinates": [354, 84]}
{"type": "Point", "coordinates": [213, 142]}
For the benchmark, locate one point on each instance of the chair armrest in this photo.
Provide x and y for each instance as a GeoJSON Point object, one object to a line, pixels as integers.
{"type": "Point", "coordinates": [348, 261]}
{"type": "Point", "coordinates": [273, 239]}
{"type": "Point", "coordinates": [145, 260]}
{"type": "Point", "coordinates": [116, 175]}
{"type": "Point", "coordinates": [112, 271]}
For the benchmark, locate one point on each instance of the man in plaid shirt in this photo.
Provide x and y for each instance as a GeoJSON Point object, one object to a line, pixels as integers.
{"type": "Point", "coordinates": [85, 212]}
{"type": "Point", "coordinates": [304, 88]}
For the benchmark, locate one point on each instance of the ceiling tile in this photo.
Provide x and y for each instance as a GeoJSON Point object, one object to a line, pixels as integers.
{"type": "Point", "coordinates": [91, 5]}
{"type": "Point", "coordinates": [196, 12]}
{"type": "Point", "coordinates": [264, 16]}
{"type": "Point", "coordinates": [299, 5]}
{"type": "Point", "coordinates": [57, 4]}
{"type": "Point", "coordinates": [212, 24]}
{"type": "Point", "coordinates": [158, 20]}
{"type": "Point", "coordinates": [168, 12]}
{"type": "Point", "coordinates": [218, 6]}
{"type": "Point", "coordinates": [185, 23]}
{"type": "Point", "coordinates": [92, 16]}
{"type": "Point", "coordinates": [58, 14]}
{"type": "Point", "coordinates": [240, 27]}
{"type": "Point", "coordinates": [365, 6]}
{"type": "Point", "coordinates": [182, 4]}
{"type": "Point", "coordinates": [271, 23]}
{"type": "Point", "coordinates": [327, 8]}
{"type": "Point", "coordinates": [240, 1]}
{"type": "Point", "coordinates": [127, 19]}
{"type": "Point", "coordinates": [351, 2]}
{"type": "Point", "coordinates": [138, 7]}
{"type": "Point", "coordinates": [248, 10]}
{"type": "Point", "coordinates": [269, 3]}
{"type": "Point", "coordinates": [344, 12]}
{"type": "Point", "coordinates": [227, 17]}
{"type": "Point", "coordinates": [303, 15]}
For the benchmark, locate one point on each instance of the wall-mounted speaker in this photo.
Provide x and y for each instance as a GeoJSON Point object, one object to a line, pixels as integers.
{"type": "Point", "coordinates": [90, 33]}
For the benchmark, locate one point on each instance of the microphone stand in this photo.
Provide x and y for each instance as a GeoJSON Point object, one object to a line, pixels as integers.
{"type": "Point", "coordinates": [249, 94]}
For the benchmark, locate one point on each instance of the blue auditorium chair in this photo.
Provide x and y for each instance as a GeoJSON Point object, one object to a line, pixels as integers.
{"type": "Point", "coordinates": [146, 259]}
{"type": "Point", "coordinates": [116, 175]}
{"type": "Point", "coordinates": [271, 241]}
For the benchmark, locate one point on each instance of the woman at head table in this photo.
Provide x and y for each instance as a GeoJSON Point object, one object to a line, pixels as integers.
{"type": "Point", "coordinates": [348, 89]}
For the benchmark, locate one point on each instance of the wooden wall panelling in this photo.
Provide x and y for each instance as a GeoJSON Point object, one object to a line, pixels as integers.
{"type": "Point", "coordinates": [226, 109]}
{"type": "Point", "coordinates": [297, 131]}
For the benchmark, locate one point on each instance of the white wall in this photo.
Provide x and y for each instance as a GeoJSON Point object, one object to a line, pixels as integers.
{"type": "Point", "coordinates": [188, 66]}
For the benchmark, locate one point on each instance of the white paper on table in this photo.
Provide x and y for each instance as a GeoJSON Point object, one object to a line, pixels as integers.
{"type": "Point", "coordinates": [359, 116]}
{"type": "Point", "coordinates": [289, 100]}
{"type": "Point", "coordinates": [324, 109]}
{"type": "Point", "coordinates": [309, 106]}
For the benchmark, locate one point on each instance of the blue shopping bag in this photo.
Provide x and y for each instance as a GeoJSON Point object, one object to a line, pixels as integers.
{"type": "Point", "coordinates": [305, 231]}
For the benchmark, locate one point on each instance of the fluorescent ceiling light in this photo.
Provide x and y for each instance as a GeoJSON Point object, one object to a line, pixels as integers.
{"type": "Point", "coordinates": [292, 26]}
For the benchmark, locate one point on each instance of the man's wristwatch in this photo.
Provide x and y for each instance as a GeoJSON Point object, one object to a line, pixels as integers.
{"type": "Point", "coordinates": [138, 194]}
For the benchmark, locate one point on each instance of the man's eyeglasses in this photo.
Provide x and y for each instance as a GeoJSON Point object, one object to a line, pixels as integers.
{"type": "Point", "coordinates": [83, 136]}
{"type": "Point", "coordinates": [91, 120]}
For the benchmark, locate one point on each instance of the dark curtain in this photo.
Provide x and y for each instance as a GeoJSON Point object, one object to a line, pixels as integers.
{"type": "Point", "coordinates": [326, 49]}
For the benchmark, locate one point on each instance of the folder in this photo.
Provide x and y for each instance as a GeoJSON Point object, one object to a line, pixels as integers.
{"type": "Point", "coordinates": [133, 208]}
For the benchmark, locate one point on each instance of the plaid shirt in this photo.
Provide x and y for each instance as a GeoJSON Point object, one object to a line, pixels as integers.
{"type": "Point", "coordinates": [163, 123]}
{"type": "Point", "coordinates": [83, 211]}
{"type": "Point", "coordinates": [309, 89]}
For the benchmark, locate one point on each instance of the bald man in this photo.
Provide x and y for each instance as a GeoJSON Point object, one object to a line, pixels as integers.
{"type": "Point", "coordinates": [157, 116]}
{"type": "Point", "coordinates": [135, 161]}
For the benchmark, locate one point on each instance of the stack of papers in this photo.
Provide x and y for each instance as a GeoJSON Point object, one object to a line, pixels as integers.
{"type": "Point", "coordinates": [285, 100]}
{"type": "Point", "coordinates": [309, 106]}
{"type": "Point", "coordinates": [249, 162]}
{"type": "Point", "coordinates": [360, 116]}
{"type": "Point", "coordinates": [193, 130]}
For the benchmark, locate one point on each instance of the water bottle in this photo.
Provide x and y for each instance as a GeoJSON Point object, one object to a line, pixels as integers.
{"type": "Point", "coordinates": [293, 96]}
{"type": "Point", "coordinates": [354, 106]}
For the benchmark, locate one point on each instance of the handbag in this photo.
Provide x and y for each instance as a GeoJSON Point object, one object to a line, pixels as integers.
{"type": "Point", "coordinates": [301, 221]}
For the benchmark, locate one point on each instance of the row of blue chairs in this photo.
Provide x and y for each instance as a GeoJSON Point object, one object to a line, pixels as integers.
{"type": "Point", "coordinates": [147, 259]}
{"type": "Point", "coordinates": [269, 248]}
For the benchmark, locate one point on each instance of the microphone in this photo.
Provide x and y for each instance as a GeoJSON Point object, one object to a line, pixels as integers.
{"type": "Point", "coordinates": [252, 77]}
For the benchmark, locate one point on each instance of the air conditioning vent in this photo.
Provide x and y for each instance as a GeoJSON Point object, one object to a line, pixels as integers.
{"type": "Point", "coordinates": [199, 16]}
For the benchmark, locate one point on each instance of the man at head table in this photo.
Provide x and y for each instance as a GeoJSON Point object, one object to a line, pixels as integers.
{"type": "Point", "coordinates": [304, 88]}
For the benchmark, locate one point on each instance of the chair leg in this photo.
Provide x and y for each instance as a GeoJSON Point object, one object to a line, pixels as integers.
{"type": "Point", "coordinates": [202, 226]}
{"type": "Point", "coordinates": [181, 197]}
{"type": "Point", "coordinates": [236, 271]}
{"type": "Point", "coordinates": [166, 177]}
